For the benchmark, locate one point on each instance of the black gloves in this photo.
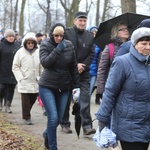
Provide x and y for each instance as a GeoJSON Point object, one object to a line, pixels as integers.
{"type": "Point", "coordinates": [61, 46]}
{"type": "Point", "coordinates": [97, 99]}
{"type": "Point", "coordinates": [101, 126]}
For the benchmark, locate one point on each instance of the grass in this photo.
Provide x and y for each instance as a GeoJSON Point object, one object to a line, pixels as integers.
{"type": "Point", "coordinates": [13, 138]}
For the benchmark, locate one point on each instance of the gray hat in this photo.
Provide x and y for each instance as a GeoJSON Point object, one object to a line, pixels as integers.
{"type": "Point", "coordinates": [139, 33]}
{"type": "Point", "coordinates": [80, 14]}
{"type": "Point", "coordinates": [9, 32]}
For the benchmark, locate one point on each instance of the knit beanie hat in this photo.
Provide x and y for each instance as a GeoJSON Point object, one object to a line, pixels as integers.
{"type": "Point", "coordinates": [145, 23]}
{"type": "Point", "coordinates": [139, 33]}
{"type": "Point", "coordinates": [9, 32]}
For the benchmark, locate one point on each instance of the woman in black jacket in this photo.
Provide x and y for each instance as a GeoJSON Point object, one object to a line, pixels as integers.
{"type": "Point", "coordinates": [58, 59]}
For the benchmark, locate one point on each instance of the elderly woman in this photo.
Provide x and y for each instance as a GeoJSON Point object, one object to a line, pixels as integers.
{"type": "Point", "coordinates": [119, 34]}
{"type": "Point", "coordinates": [27, 69]}
{"type": "Point", "coordinates": [58, 58]}
{"type": "Point", "coordinates": [127, 94]}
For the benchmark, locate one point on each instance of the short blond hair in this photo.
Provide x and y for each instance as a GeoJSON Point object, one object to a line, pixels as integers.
{"type": "Point", "coordinates": [58, 30]}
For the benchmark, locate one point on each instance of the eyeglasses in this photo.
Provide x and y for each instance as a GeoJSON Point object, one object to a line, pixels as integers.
{"type": "Point", "coordinates": [56, 35]}
{"type": "Point", "coordinates": [123, 29]}
{"type": "Point", "coordinates": [30, 43]}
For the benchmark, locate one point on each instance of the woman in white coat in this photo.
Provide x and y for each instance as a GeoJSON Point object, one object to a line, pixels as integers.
{"type": "Point", "coordinates": [27, 69]}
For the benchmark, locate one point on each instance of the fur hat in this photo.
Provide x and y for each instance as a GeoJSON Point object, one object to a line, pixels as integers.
{"type": "Point", "coordinates": [139, 33]}
{"type": "Point", "coordinates": [9, 32]}
{"type": "Point", "coordinates": [80, 14]}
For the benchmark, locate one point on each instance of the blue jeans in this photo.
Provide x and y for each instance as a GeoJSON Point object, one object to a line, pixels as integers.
{"type": "Point", "coordinates": [55, 104]}
{"type": "Point", "coordinates": [92, 83]}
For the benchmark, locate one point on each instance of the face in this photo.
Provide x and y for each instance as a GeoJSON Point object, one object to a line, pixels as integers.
{"type": "Point", "coordinates": [30, 44]}
{"type": "Point", "coordinates": [80, 23]}
{"type": "Point", "coordinates": [143, 47]}
{"type": "Point", "coordinates": [10, 38]}
{"type": "Point", "coordinates": [58, 37]}
{"type": "Point", "coordinates": [123, 33]}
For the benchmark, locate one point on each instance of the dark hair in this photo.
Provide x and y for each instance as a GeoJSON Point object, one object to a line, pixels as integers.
{"type": "Point", "coordinates": [145, 38]}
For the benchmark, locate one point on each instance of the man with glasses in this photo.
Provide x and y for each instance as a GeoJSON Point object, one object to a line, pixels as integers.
{"type": "Point", "coordinates": [8, 48]}
{"type": "Point", "coordinates": [82, 41]}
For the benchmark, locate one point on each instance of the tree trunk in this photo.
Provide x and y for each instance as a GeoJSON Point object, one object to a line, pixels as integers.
{"type": "Point", "coordinates": [128, 6]}
{"type": "Point", "coordinates": [97, 13]}
{"type": "Point", "coordinates": [21, 23]}
{"type": "Point", "coordinates": [15, 15]}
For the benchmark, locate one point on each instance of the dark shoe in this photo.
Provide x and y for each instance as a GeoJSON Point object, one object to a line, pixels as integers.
{"type": "Point", "coordinates": [66, 130]}
{"type": "Point", "coordinates": [28, 122]}
{"type": "Point", "coordinates": [89, 131]}
{"type": "Point", "coordinates": [45, 141]}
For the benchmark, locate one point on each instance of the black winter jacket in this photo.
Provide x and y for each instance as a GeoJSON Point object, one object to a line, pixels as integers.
{"type": "Point", "coordinates": [7, 52]}
{"type": "Point", "coordinates": [83, 45]}
{"type": "Point", "coordinates": [59, 66]}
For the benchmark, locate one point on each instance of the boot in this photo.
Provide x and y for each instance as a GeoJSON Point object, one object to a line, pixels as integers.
{"type": "Point", "coordinates": [7, 108]}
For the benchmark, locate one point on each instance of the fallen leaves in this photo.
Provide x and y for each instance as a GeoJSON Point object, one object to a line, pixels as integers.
{"type": "Point", "coordinates": [12, 138]}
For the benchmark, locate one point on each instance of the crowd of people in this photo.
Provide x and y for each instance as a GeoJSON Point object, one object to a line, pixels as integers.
{"type": "Point", "coordinates": [66, 65]}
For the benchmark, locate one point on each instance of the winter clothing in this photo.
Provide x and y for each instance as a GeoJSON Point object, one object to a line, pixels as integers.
{"type": "Point", "coordinates": [56, 75]}
{"type": "Point", "coordinates": [104, 65]}
{"type": "Point", "coordinates": [82, 41]}
{"type": "Point", "coordinates": [80, 15]}
{"type": "Point", "coordinates": [127, 97]}
{"type": "Point", "coordinates": [7, 79]}
{"type": "Point", "coordinates": [60, 66]}
{"type": "Point", "coordinates": [138, 33]}
{"type": "Point", "coordinates": [145, 23]}
{"type": "Point", "coordinates": [9, 32]}
{"type": "Point", "coordinates": [27, 68]}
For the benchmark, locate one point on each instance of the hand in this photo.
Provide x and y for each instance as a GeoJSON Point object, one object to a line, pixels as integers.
{"type": "Point", "coordinates": [101, 126]}
{"type": "Point", "coordinates": [61, 46]}
{"type": "Point", "coordinates": [76, 93]}
{"type": "Point", "coordinates": [81, 67]}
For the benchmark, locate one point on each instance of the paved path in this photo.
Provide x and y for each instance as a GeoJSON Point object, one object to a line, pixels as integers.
{"type": "Point", "coordinates": [65, 141]}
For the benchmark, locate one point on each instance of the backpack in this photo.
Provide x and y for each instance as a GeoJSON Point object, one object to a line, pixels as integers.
{"type": "Point", "coordinates": [111, 51]}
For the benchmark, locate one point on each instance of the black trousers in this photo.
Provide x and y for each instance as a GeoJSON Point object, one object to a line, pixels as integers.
{"type": "Point", "coordinates": [134, 145]}
{"type": "Point", "coordinates": [7, 91]}
{"type": "Point", "coordinates": [28, 99]}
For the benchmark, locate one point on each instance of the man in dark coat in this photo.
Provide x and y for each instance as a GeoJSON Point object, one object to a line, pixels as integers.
{"type": "Point", "coordinates": [8, 82]}
{"type": "Point", "coordinates": [82, 41]}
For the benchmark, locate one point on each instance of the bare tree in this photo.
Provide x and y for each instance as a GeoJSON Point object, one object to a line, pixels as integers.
{"type": "Point", "coordinates": [46, 11]}
{"type": "Point", "coordinates": [128, 6]}
{"type": "Point", "coordinates": [71, 9]}
{"type": "Point", "coordinates": [97, 19]}
{"type": "Point", "coordinates": [15, 15]}
{"type": "Point", "coordinates": [21, 23]}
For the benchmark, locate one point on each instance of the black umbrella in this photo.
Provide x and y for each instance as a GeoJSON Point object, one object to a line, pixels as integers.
{"type": "Point", "coordinates": [76, 112]}
{"type": "Point", "coordinates": [102, 37]}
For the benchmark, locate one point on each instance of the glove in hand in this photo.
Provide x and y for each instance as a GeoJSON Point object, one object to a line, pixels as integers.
{"type": "Point", "coordinates": [61, 46]}
{"type": "Point", "coordinates": [76, 93]}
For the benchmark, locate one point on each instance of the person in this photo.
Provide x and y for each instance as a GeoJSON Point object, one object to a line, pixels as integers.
{"type": "Point", "coordinates": [27, 69]}
{"type": "Point", "coordinates": [39, 37]}
{"type": "Point", "coordinates": [8, 48]}
{"type": "Point", "coordinates": [58, 58]}
{"type": "Point", "coordinates": [126, 94]}
{"type": "Point", "coordinates": [119, 35]}
{"type": "Point", "coordinates": [82, 41]}
{"type": "Point", "coordinates": [94, 64]}
{"type": "Point", "coordinates": [124, 48]}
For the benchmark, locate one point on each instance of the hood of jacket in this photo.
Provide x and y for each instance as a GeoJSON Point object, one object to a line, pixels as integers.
{"type": "Point", "coordinates": [53, 26]}
{"type": "Point", "coordinates": [29, 36]}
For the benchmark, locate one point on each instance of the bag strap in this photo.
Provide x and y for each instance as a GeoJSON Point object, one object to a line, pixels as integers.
{"type": "Point", "coordinates": [111, 50]}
